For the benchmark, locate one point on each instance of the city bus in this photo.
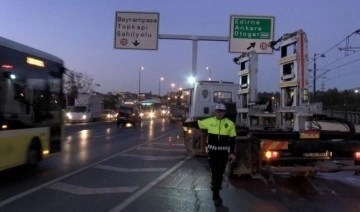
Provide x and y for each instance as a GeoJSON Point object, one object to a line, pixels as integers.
{"type": "Point", "coordinates": [31, 104]}
{"type": "Point", "coordinates": [150, 109]}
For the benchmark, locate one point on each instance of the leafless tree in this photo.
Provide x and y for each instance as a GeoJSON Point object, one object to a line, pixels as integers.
{"type": "Point", "coordinates": [77, 83]}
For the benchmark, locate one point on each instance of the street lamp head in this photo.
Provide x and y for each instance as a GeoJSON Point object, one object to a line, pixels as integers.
{"type": "Point", "coordinates": [142, 68]}
{"type": "Point", "coordinates": [316, 56]}
{"type": "Point", "coordinates": [191, 80]}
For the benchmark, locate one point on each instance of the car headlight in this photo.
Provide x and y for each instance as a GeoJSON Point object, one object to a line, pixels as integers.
{"type": "Point", "coordinates": [152, 115]}
{"type": "Point", "coordinates": [84, 117]}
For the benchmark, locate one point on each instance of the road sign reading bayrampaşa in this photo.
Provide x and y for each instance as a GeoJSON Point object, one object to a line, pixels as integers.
{"type": "Point", "coordinates": [136, 30]}
{"type": "Point", "coordinates": [251, 34]}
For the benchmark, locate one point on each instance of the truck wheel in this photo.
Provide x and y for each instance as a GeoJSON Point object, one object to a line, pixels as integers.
{"type": "Point", "coordinates": [34, 154]}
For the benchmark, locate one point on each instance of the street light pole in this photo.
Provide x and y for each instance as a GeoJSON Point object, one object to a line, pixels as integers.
{"type": "Point", "coordinates": [141, 68]}
{"type": "Point", "coordinates": [209, 69]}
{"type": "Point", "coordinates": [161, 79]}
{"type": "Point", "coordinates": [314, 79]}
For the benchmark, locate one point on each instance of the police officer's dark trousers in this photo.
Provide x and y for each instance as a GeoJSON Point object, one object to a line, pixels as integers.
{"type": "Point", "coordinates": [217, 163]}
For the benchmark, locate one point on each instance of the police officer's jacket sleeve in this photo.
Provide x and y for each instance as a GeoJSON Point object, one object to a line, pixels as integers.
{"type": "Point", "coordinates": [193, 124]}
{"type": "Point", "coordinates": [232, 138]}
{"type": "Point", "coordinates": [203, 124]}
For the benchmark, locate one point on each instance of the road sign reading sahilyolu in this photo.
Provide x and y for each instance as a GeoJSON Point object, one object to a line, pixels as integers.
{"type": "Point", "coordinates": [136, 30]}
{"type": "Point", "coordinates": [251, 34]}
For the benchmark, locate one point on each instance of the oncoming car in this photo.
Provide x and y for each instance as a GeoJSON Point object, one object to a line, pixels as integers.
{"type": "Point", "coordinates": [108, 115]}
{"type": "Point", "coordinates": [128, 115]}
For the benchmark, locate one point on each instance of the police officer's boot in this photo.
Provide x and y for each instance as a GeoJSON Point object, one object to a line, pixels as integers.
{"type": "Point", "coordinates": [216, 197]}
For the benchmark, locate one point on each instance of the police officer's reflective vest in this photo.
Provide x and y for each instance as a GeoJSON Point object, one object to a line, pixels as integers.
{"type": "Point", "coordinates": [221, 133]}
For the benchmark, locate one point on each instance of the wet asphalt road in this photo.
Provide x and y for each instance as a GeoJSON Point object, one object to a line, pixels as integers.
{"type": "Point", "coordinates": [102, 168]}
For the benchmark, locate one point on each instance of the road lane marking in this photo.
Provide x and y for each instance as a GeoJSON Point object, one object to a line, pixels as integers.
{"type": "Point", "coordinates": [161, 149]}
{"type": "Point", "coordinates": [167, 144]}
{"type": "Point", "coordinates": [47, 184]}
{"type": "Point", "coordinates": [80, 190]}
{"type": "Point", "coordinates": [321, 188]}
{"type": "Point", "coordinates": [140, 192]}
{"type": "Point", "coordinates": [148, 157]}
{"type": "Point", "coordinates": [112, 168]}
{"type": "Point", "coordinates": [353, 180]}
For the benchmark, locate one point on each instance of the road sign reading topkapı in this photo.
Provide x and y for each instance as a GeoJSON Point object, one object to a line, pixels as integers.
{"type": "Point", "coordinates": [136, 30]}
{"type": "Point", "coordinates": [251, 34]}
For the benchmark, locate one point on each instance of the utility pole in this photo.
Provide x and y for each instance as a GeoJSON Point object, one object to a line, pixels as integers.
{"type": "Point", "coordinates": [314, 75]}
{"type": "Point", "coordinates": [314, 79]}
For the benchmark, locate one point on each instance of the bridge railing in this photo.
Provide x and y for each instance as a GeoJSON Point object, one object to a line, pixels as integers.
{"type": "Point", "coordinates": [353, 117]}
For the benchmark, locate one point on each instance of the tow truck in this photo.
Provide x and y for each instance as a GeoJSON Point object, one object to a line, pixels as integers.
{"type": "Point", "coordinates": [285, 134]}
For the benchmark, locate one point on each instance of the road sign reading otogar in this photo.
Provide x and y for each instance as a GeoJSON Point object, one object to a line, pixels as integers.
{"type": "Point", "coordinates": [136, 30]}
{"type": "Point", "coordinates": [251, 34]}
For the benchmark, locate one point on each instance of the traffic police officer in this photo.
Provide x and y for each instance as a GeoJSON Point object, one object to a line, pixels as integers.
{"type": "Point", "coordinates": [221, 136]}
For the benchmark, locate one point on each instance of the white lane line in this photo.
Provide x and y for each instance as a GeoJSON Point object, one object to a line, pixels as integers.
{"type": "Point", "coordinates": [140, 192]}
{"type": "Point", "coordinates": [146, 157]}
{"type": "Point", "coordinates": [321, 189]}
{"type": "Point", "coordinates": [80, 190]}
{"type": "Point", "coordinates": [353, 180]}
{"type": "Point", "coordinates": [112, 168]}
{"type": "Point", "coordinates": [44, 185]}
{"type": "Point", "coordinates": [317, 188]}
{"type": "Point", "coordinates": [166, 144]}
{"type": "Point", "coordinates": [161, 149]}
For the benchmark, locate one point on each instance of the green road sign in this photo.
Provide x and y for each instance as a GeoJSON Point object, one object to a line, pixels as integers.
{"type": "Point", "coordinates": [251, 34]}
{"type": "Point", "coordinates": [252, 28]}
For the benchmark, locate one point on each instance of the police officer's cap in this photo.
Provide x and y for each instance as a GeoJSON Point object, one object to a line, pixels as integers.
{"type": "Point", "coordinates": [220, 107]}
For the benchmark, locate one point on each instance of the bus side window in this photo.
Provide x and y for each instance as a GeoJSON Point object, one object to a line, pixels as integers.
{"type": "Point", "coordinates": [19, 93]}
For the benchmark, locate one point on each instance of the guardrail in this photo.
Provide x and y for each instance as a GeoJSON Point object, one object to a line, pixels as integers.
{"type": "Point", "coordinates": [353, 117]}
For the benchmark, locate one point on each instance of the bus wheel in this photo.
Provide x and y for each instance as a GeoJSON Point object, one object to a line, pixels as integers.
{"type": "Point", "coordinates": [34, 154]}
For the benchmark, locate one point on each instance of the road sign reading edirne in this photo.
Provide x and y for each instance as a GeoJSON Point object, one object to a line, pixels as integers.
{"type": "Point", "coordinates": [251, 34]}
{"type": "Point", "coordinates": [136, 30]}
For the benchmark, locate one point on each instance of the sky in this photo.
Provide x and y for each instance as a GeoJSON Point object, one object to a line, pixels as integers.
{"type": "Point", "coordinates": [82, 33]}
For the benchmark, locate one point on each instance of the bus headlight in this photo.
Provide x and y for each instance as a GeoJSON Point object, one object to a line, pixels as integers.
{"type": "Point", "coordinates": [152, 115]}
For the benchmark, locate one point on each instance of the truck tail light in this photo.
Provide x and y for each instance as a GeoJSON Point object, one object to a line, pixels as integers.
{"type": "Point", "coordinates": [357, 155]}
{"type": "Point", "coordinates": [271, 154]}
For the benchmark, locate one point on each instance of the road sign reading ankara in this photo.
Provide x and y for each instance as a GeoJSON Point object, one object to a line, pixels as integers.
{"type": "Point", "coordinates": [136, 30]}
{"type": "Point", "coordinates": [251, 34]}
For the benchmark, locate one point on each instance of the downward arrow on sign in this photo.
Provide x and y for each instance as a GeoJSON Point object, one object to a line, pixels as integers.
{"type": "Point", "coordinates": [136, 43]}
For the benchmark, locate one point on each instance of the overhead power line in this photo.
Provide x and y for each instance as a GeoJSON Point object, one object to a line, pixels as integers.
{"type": "Point", "coordinates": [339, 66]}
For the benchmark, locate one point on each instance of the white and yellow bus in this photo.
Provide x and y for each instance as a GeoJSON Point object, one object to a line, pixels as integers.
{"type": "Point", "coordinates": [31, 102]}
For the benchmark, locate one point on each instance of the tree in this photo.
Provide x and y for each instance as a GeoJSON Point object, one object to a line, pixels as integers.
{"type": "Point", "coordinates": [111, 100]}
{"type": "Point", "coordinates": [76, 83]}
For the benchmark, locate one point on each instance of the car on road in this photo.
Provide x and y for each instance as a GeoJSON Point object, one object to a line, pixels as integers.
{"type": "Point", "coordinates": [178, 113]}
{"type": "Point", "coordinates": [128, 115]}
{"type": "Point", "coordinates": [108, 115]}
